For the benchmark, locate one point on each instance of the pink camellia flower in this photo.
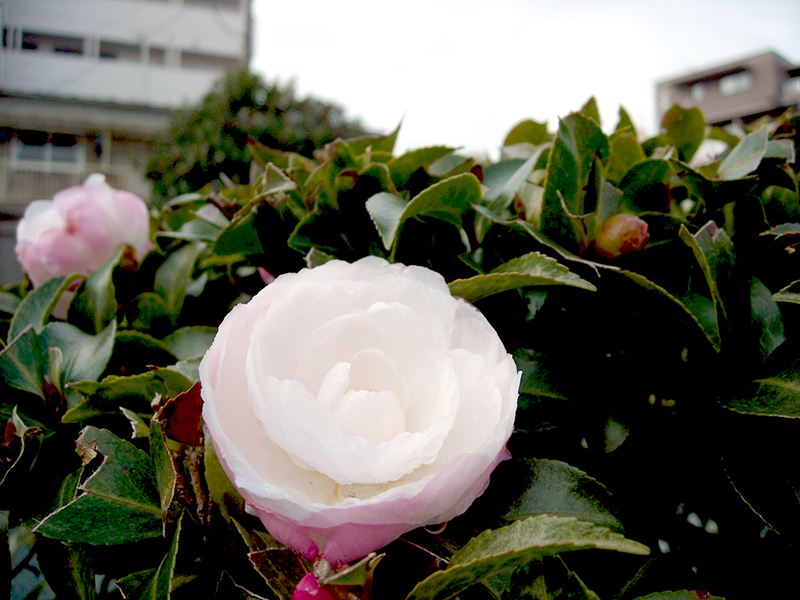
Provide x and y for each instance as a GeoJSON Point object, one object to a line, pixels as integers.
{"type": "Point", "coordinates": [351, 403]}
{"type": "Point", "coordinates": [621, 234]}
{"type": "Point", "coordinates": [79, 229]}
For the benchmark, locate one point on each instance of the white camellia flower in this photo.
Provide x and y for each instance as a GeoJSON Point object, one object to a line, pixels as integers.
{"type": "Point", "coordinates": [79, 229]}
{"type": "Point", "coordinates": [351, 403]}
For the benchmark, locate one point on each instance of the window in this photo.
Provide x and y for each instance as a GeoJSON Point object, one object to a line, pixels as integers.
{"type": "Point", "coordinates": [735, 83]}
{"type": "Point", "coordinates": [698, 91]}
{"type": "Point", "coordinates": [31, 145]}
{"type": "Point", "coordinates": [51, 43]}
{"type": "Point", "coordinates": [791, 87]}
{"type": "Point", "coordinates": [40, 151]}
{"type": "Point", "coordinates": [122, 52]}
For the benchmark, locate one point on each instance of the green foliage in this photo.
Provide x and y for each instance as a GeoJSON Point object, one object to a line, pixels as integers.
{"type": "Point", "coordinates": [223, 134]}
{"type": "Point", "coordinates": [660, 389]}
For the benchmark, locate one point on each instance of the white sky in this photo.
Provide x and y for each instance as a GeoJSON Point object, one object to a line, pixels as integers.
{"type": "Point", "coordinates": [463, 72]}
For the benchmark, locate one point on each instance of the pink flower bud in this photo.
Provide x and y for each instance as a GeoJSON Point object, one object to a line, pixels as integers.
{"type": "Point", "coordinates": [79, 229]}
{"type": "Point", "coordinates": [308, 589]}
{"type": "Point", "coordinates": [621, 234]}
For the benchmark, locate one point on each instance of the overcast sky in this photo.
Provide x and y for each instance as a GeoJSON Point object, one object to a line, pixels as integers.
{"type": "Point", "coordinates": [463, 72]}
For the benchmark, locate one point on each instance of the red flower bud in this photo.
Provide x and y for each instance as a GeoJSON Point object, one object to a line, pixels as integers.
{"type": "Point", "coordinates": [309, 589]}
{"type": "Point", "coordinates": [621, 234]}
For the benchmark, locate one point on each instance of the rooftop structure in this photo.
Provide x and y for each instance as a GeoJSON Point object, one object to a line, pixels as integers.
{"type": "Point", "coordinates": [742, 90]}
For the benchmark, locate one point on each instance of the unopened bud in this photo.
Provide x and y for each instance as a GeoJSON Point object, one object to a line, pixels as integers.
{"type": "Point", "coordinates": [309, 589]}
{"type": "Point", "coordinates": [621, 234]}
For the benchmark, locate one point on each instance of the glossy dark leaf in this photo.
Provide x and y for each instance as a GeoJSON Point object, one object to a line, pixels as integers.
{"type": "Point", "coordinates": [498, 550]}
{"type": "Point", "coordinates": [165, 475]}
{"type": "Point", "coordinates": [173, 277]}
{"type": "Point", "coordinates": [190, 342]}
{"type": "Point", "coordinates": [531, 269]}
{"type": "Point", "coordinates": [527, 132]}
{"type": "Point", "coordinates": [685, 129]}
{"type": "Point", "coordinates": [548, 579]}
{"type": "Point", "coordinates": [746, 156]}
{"type": "Point", "coordinates": [119, 502]}
{"type": "Point", "coordinates": [84, 356]}
{"type": "Point", "coordinates": [776, 395]}
{"type": "Point", "coordinates": [557, 488]}
{"type": "Point", "coordinates": [95, 302]}
{"type": "Point", "coordinates": [155, 584]}
{"type": "Point", "coordinates": [37, 306]}
{"type": "Point", "coordinates": [23, 363]}
{"type": "Point", "coordinates": [17, 474]}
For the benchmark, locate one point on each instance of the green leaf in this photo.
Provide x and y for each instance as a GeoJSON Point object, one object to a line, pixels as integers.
{"type": "Point", "coordinates": [166, 477]}
{"type": "Point", "coordinates": [354, 574]}
{"type": "Point", "coordinates": [380, 143]}
{"type": "Point", "coordinates": [780, 149]}
{"type": "Point", "coordinates": [791, 293]}
{"type": "Point", "coordinates": [23, 363]}
{"type": "Point", "coordinates": [223, 492]}
{"type": "Point", "coordinates": [190, 342]}
{"type": "Point", "coordinates": [625, 152]}
{"type": "Point", "coordinates": [502, 189]}
{"type": "Point", "coordinates": [386, 211]}
{"type": "Point", "coordinates": [9, 303]}
{"type": "Point", "coordinates": [685, 130]}
{"type": "Point", "coordinates": [281, 569]}
{"type": "Point", "coordinates": [37, 306]}
{"type": "Point", "coordinates": [578, 144]}
{"type": "Point", "coordinates": [556, 488]}
{"type": "Point", "coordinates": [527, 132]}
{"type": "Point", "coordinates": [18, 475]}
{"type": "Point", "coordinates": [590, 110]}
{"type": "Point", "coordinates": [156, 584]}
{"type": "Point", "coordinates": [608, 202]}
{"type": "Point", "coordinates": [746, 156]}
{"type": "Point", "coordinates": [147, 312]}
{"type": "Point", "coordinates": [538, 376]}
{"type": "Point", "coordinates": [450, 165]}
{"type": "Point", "coordinates": [67, 568]}
{"type": "Point", "coordinates": [713, 251]}
{"type": "Point", "coordinates": [84, 356]}
{"type": "Point", "coordinates": [141, 427]}
{"type": "Point", "coordinates": [530, 269]}
{"type": "Point", "coordinates": [777, 395]}
{"type": "Point", "coordinates": [624, 121]}
{"type": "Point", "coordinates": [765, 318]}
{"type": "Point", "coordinates": [95, 302]}
{"type": "Point", "coordinates": [405, 165]}
{"type": "Point", "coordinates": [494, 551]}
{"type": "Point", "coordinates": [447, 201]}
{"type": "Point", "coordinates": [548, 579]}
{"type": "Point", "coordinates": [119, 503]}
{"type": "Point", "coordinates": [643, 186]}
{"type": "Point", "coordinates": [698, 308]}
{"type": "Point", "coordinates": [784, 229]}
{"type": "Point", "coordinates": [173, 276]}
{"type": "Point", "coordinates": [137, 350]}
{"type": "Point", "coordinates": [135, 392]}
{"type": "Point", "coordinates": [240, 235]}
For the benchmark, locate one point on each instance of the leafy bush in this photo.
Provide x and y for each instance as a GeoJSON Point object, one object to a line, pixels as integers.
{"type": "Point", "coordinates": [659, 399]}
{"type": "Point", "coordinates": [214, 138]}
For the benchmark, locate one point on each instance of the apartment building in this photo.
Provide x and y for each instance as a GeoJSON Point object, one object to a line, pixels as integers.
{"type": "Point", "coordinates": [87, 86]}
{"type": "Point", "coordinates": [742, 90]}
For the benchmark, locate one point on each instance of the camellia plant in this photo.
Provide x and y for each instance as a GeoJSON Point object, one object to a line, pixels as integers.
{"type": "Point", "coordinates": [570, 373]}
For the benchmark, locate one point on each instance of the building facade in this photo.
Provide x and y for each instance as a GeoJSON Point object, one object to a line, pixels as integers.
{"type": "Point", "coordinates": [743, 90]}
{"type": "Point", "coordinates": [87, 86]}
